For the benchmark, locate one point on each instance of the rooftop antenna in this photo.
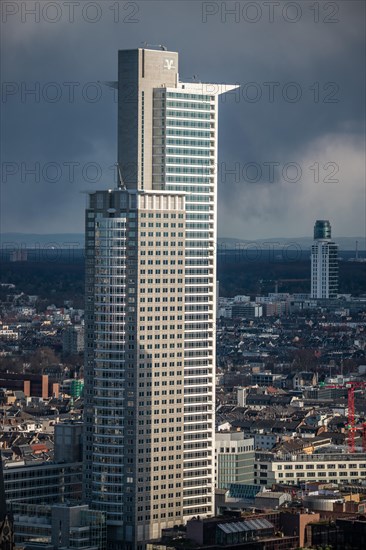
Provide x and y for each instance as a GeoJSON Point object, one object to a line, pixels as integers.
{"type": "Point", "coordinates": [121, 183]}
{"type": "Point", "coordinates": [196, 78]}
{"type": "Point", "coordinates": [163, 48]}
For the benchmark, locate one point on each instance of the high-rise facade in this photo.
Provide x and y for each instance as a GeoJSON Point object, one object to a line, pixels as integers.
{"type": "Point", "coordinates": [151, 307]}
{"type": "Point", "coordinates": [234, 456]}
{"type": "Point", "coordinates": [324, 262]}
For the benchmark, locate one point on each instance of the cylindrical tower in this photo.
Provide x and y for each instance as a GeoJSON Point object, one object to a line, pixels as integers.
{"type": "Point", "coordinates": [322, 230]}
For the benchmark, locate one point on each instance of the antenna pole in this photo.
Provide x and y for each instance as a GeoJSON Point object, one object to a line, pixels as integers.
{"type": "Point", "coordinates": [121, 184]}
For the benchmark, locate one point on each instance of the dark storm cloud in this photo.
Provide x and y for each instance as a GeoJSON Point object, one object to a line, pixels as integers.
{"type": "Point", "coordinates": [300, 106]}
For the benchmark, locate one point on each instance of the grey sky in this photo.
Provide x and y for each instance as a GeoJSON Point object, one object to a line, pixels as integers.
{"type": "Point", "coordinates": [293, 139]}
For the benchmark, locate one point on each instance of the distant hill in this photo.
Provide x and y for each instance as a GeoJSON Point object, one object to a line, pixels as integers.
{"type": "Point", "coordinates": [57, 277]}
{"type": "Point", "coordinates": [345, 243]}
{"type": "Point", "coordinates": [33, 240]}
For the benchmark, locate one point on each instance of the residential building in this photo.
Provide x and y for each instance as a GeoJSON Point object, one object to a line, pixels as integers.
{"type": "Point", "coordinates": [249, 310]}
{"type": "Point", "coordinates": [73, 339]}
{"type": "Point", "coordinates": [265, 379]}
{"type": "Point", "coordinates": [265, 440]}
{"type": "Point", "coordinates": [324, 262]}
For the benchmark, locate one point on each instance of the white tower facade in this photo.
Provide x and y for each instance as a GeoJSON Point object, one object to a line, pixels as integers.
{"type": "Point", "coordinates": [324, 262]}
{"type": "Point", "coordinates": [151, 307]}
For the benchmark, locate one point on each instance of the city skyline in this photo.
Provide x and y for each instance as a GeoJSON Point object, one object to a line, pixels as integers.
{"type": "Point", "coordinates": [182, 359]}
{"type": "Point", "coordinates": [320, 132]}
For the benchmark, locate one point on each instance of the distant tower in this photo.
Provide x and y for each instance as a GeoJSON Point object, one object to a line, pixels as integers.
{"type": "Point", "coordinates": [322, 230]}
{"type": "Point", "coordinates": [324, 262]}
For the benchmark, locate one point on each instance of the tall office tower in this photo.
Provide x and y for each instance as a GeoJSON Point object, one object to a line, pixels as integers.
{"type": "Point", "coordinates": [324, 262]}
{"type": "Point", "coordinates": [151, 307]}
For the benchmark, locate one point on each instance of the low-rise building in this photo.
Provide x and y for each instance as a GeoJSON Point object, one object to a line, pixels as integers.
{"type": "Point", "coordinates": [265, 379]}
{"type": "Point", "coordinates": [73, 339]}
{"type": "Point", "coordinates": [296, 469]}
{"type": "Point", "coordinates": [270, 500]}
{"type": "Point", "coordinates": [249, 310]}
{"type": "Point", "coordinates": [60, 525]}
{"type": "Point", "coordinates": [234, 458]}
{"type": "Point", "coordinates": [42, 482]}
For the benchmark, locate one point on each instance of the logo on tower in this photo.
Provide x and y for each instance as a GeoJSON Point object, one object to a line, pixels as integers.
{"type": "Point", "coordinates": [169, 64]}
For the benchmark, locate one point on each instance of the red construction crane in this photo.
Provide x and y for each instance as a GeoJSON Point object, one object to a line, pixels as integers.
{"type": "Point", "coordinates": [351, 415]}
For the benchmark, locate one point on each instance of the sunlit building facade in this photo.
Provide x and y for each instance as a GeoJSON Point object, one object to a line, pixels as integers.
{"type": "Point", "coordinates": [149, 452]}
{"type": "Point", "coordinates": [324, 262]}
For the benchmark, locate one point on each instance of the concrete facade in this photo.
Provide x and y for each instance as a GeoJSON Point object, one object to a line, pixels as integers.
{"type": "Point", "coordinates": [301, 468]}
{"type": "Point", "coordinates": [234, 459]}
{"type": "Point", "coordinates": [151, 307]}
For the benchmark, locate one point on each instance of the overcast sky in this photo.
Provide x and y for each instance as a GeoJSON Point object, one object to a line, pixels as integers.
{"type": "Point", "coordinates": [293, 139]}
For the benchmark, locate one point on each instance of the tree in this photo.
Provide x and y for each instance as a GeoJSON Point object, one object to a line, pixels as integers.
{"type": "Point", "coordinates": [42, 358]}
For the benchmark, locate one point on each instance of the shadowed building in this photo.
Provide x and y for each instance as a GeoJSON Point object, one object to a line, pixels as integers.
{"type": "Point", "coordinates": [33, 385]}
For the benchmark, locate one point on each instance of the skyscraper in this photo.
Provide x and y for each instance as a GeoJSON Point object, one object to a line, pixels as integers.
{"type": "Point", "coordinates": [151, 307]}
{"type": "Point", "coordinates": [324, 262]}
